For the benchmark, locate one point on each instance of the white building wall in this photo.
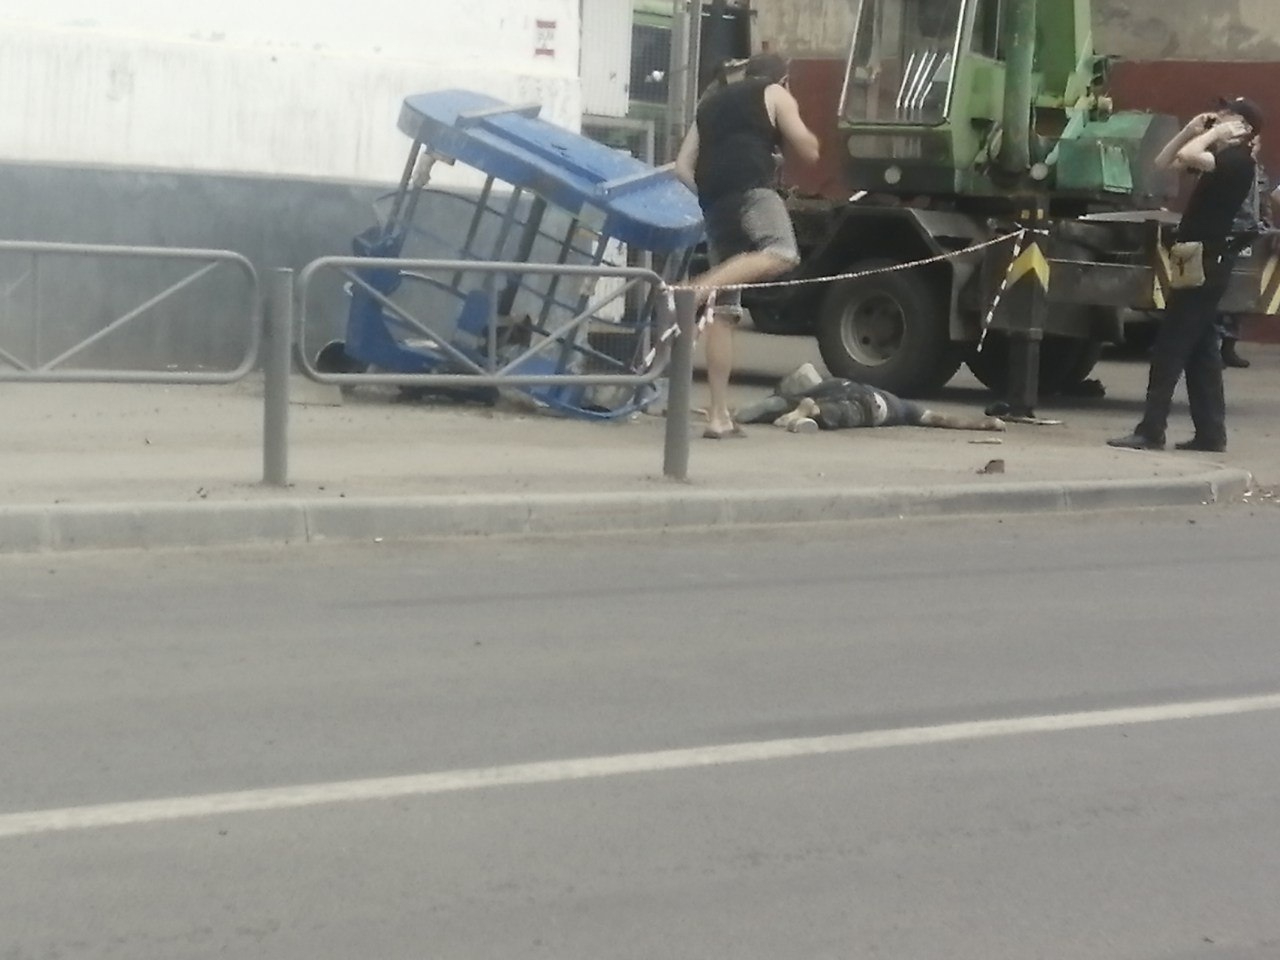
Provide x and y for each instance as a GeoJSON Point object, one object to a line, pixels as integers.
{"type": "Point", "coordinates": [606, 57]}
{"type": "Point", "coordinates": [281, 88]}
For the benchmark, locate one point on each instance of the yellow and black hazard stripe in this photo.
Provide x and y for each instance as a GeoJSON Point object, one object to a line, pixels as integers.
{"type": "Point", "coordinates": [1030, 261]}
{"type": "Point", "coordinates": [1269, 287]}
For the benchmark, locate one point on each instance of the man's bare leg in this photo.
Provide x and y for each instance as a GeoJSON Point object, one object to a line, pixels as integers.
{"type": "Point", "coordinates": [719, 344]}
{"type": "Point", "coordinates": [756, 267]}
{"type": "Point", "coordinates": [743, 268]}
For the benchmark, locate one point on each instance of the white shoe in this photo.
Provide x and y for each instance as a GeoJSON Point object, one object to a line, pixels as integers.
{"type": "Point", "coordinates": [803, 425]}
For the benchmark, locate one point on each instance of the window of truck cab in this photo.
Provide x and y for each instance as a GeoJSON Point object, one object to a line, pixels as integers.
{"type": "Point", "coordinates": [902, 65]}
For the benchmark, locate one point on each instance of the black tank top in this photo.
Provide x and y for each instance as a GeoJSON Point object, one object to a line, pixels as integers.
{"type": "Point", "coordinates": [736, 142]}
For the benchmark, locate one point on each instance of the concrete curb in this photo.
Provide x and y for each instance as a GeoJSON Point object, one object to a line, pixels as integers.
{"type": "Point", "coordinates": [38, 529]}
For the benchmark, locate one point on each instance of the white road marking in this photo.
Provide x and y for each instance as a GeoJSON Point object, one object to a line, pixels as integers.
{"type": "Point", "coordinates": [589, 768]}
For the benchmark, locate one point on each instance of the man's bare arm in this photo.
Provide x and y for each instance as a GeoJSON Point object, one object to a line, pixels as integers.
{"type": "Point", "coordinates": [1167, 159]}
{"type": "Point", "coordinates": [796, 136]}
{"type": "Point", "coordinates": [687, 159]}
{"type": "Point", "coordinates": [1198, 154]}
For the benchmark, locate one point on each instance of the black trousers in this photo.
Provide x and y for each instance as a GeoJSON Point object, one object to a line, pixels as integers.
{"type": "Point", "coordinates": [1188, 342]}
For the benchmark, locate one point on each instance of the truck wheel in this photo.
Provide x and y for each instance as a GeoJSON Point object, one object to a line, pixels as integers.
{"type": "Point", "coordinates": [889, 330]}
{"type": "Point", "coordinates": [1065, 362]}
{"type": "Point", "coordinates": [772, 312]}
{"type": "Point", "coordinates": [770, 320]}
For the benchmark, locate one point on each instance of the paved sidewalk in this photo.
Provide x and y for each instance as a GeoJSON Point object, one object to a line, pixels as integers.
{"type": "Point", "coordinates": [104, 466]}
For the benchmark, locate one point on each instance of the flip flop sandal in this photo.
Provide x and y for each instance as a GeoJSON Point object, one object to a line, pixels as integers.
{"type": "Point", "coordinates": [733, 433]}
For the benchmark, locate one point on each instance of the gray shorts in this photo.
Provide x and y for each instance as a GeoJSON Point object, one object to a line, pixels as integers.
{"type": "Point", "coordinates": [753, 222]}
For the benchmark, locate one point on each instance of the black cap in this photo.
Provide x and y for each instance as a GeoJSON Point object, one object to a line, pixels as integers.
{"type": "Point", "coordinates": [1251, 112]}
{"type": "Point", "coordinates": [768, 66]}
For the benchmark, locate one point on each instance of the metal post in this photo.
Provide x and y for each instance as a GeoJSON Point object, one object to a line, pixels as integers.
{"type": "Point", "coordinates": [37, 329]}
{"type": "Point", "coordinates": [277, 362]}
{"type": "Point", "coordinates": [693, 66]}
{"type": "Point", "coordinates": [677, 119]}
{"type": "Point", "coordinates": [1026, 336]}
{"type": "Point", "coordinates": [1019, 28]}
{"type": "Point", "coordinates": [675, 462]}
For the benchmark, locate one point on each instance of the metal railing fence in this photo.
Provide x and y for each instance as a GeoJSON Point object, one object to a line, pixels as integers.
{"type": "Point", "coordinates": [674, 330]}
{"type": "Point", "coordinates": [275, 338]}
{"type": "Point", "coordinates": [55, 371]}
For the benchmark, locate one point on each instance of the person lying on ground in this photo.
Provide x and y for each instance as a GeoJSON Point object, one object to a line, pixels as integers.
{"type": "Point", "coordinates": [805, 402]}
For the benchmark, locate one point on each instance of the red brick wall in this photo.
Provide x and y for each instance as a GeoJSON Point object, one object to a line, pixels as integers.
{"type": "Point", "coordinates": [817, 86]}
{"type": "Point", "coordinates": [1185, 88]}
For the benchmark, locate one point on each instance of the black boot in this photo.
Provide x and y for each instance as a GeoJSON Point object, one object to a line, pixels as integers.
{"type": "Point", "coordinates": [1202, 445]}
{"type": "Point", "coordinates": [1229, 356]}
{"type": "Point", "coordinates": [1137, 441]}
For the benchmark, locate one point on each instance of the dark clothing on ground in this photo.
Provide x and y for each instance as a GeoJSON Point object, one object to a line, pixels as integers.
{"type": "Point", "coordinates": [844, 404]}
{"type": "Point", "coordinates": [1188, 339]}
{"type": "Point", "coordinates": [737, 141]}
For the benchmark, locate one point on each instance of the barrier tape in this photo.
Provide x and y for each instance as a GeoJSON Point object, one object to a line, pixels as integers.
{"type": "Point", "coordinates": [1004, 286]}
{"type": "Point", "coordinates": [857, 275]}
{"type": "Point", "coordinates": [705, 313]}
{"type": "Point", "coordinates": [1271, 270]}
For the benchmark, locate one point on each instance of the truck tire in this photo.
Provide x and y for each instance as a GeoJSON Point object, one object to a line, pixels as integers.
{"type": "Point", "coordinates": [1065, 362]}
{"type": "Point", "coordinates": [768, 319]}
{"type": "Point", "coordinates": [889, 330]}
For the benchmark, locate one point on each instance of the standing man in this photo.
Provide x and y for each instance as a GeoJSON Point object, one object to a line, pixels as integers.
{"type": "Point", "coordinates": [1218, 147]}
{"type": "Point", "coordinates": [729, 159]}
{"type": "Point", "coordinates": [1253, 219]}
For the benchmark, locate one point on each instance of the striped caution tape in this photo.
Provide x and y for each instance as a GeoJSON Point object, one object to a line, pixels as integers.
{"type": "Point", "coordinates": [1000, 292]}
{"type": "Point", "coordinates": [1041, 268]}
{"type": "Point", "coordinates": [859, 274]}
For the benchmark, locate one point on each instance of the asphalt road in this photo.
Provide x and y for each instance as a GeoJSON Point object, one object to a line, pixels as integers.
{"type": "Point", "coordinates": [764, 745]}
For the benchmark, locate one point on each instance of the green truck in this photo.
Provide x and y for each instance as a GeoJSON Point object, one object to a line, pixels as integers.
{"type": "Point", "coordinates": [961, 122]}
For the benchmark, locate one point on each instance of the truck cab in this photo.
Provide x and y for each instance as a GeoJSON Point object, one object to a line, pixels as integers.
{"type": "Point", "coordinates": [948, 100]}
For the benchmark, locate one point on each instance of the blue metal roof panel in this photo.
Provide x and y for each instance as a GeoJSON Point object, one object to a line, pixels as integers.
{"type": "Point", "coordinates": [639, 205]}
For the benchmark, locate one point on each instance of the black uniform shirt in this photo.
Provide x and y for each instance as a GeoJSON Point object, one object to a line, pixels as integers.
{"type": "Point", "coordinates": [1218, 196]}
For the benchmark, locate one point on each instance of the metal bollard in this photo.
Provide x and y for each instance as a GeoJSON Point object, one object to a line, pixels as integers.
{"type": "Point", "coordinates": [277, 364]}
{"type": "Point", "coordinates": [675, 462]}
